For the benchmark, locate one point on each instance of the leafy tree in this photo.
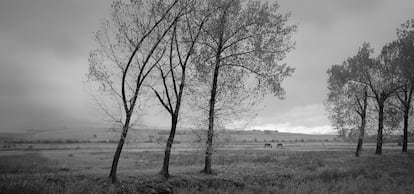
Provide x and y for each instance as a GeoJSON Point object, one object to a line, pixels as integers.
{"type": "Point", "coordinates": [404, 59]}
{"type": "Point", "coordinates": [382, 81]}
{"type": "Point", "coordinates": [129, 50]}
{"type": "Point", "coordinates": [393, 115]}
{"type": "Point", "coordinates": [339, 114]}
{"type": "Point", "coordinates": [242, 45]}
{"type": "Point", "coordinates": [348, 94]}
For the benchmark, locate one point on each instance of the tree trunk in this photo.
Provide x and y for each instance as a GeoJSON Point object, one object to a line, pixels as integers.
{"type": "Point", "coordinates": [121, 142]}
{"type": "Point", "coordinates": [362, 114]}
{"type": "Point", "coordinates": [166, 163]}
{"type": "Point", "coordinates": [359, 146]}
{"type": "Point", "coordinates": [405, 139]}
{"type": "Point", "coordinates": [407, 106]}
{"type": "Point", "coordinates": [212, 103]}
{"type": "Point", "coordinates": [361, 137]}
{"type": "Point", "coordinates": [380, 126]}
{"type": "Point", "coordinates": [210, 132]}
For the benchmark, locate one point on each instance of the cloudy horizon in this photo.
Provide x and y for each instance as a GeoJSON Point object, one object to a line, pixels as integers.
{"type": "Point", "coordinates": [45, 45]}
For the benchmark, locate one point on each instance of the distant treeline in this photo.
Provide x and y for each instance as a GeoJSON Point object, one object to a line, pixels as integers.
{"type": "Point", "coordinates": [373, 139]}
{"type": "Point", "coordinates": [72, 141]}
{"type": "Point", "coordinates": [368, 139]}
{"type": "Point", "coordinates": [51, 141]}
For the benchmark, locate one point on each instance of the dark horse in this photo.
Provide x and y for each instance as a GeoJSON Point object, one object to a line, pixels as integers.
{"type": "Point", "coordinates": [267, 145]}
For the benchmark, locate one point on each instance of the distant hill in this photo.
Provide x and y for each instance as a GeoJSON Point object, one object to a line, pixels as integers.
{"type": "Point", "coordinates": [143, 135]}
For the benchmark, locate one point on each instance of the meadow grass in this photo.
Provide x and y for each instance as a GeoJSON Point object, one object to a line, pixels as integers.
{"type": "Point", "coordinates": [26, 163]}
{"type": "Point", "coordinates": [237, 171]}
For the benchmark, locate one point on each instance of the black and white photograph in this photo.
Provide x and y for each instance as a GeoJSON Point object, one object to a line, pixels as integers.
{"type": "Point", "coordinates": [207, 96]}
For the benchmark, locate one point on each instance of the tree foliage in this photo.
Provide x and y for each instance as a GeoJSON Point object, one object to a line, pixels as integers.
{"type": "Point", "coordinates": [230, 49]}
{"type": "Point", "coordinates": [347, 100]}
{"type": "Point", "coordinates": [387, 79]}
{"type": "Point", "coordinates": [129, 49]}
{"type": "Point", "coordinates": [243, 44]}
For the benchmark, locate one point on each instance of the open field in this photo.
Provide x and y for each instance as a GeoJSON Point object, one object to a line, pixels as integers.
{"type": "Point", "coordinates": [148, 135]}
{"type": "Point", "coordinates": [313, 167]}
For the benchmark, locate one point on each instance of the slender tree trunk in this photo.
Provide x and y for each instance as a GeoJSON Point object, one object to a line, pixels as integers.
{"type": "Point", "coordinates": [212, 103]}
{"type": "Point", "coordinates": [361, 136]}
{"type": "Point", "coordinates": [210, 132]}
{"type": "Point", "coordinates": [406, 116]}
{"type": "Point", "coordinates": [166, 163]}
{"type": "Point", "coordinates": [362, 114]}
{"type": "Point", "coordinates": [380, 126]}
{"type": "Point", "coordinates": [405, 139]}
{"type": "Point", "coordinates": [121, 142]}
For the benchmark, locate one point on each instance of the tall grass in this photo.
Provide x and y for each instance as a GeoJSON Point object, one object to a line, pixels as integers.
{"type": "Point", "coordinates": [24, 163]}
{"type": "Point", "coordinates": [242, 171]}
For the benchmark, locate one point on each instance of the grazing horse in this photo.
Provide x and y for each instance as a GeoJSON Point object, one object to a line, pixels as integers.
{"type": "Point", "coordinates": [267, 145]}
{"type": "Point", "coordinates": [279, 145]}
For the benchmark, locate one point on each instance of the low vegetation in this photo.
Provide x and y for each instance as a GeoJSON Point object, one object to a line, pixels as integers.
{"type": "Point", "coordinates": [239, 171]}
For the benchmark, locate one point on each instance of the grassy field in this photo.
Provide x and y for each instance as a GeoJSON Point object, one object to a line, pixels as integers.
{"type": "Point", "coordinates": [250, 169]}
{"type": "Point", "coordinates": [151, 135]}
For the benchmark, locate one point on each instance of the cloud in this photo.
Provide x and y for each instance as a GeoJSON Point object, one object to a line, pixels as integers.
{"type": "Point", "coordinates": [325, 13]}
{"type": "Point", "coordinates": [307, 115]}
{"type": "Point", "coordinates": [300, 119]}
{"type": "Point", "coordinates": [61, 28]}
{"type": "Point", "coordinates": [290, 128]}
{"type": "Point", "coordinates": [44, 47]}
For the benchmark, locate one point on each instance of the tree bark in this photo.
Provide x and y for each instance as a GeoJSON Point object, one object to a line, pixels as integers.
{"type": "Point", "coordinates": [210, 132]}
{"type": "Point", "coordinates": [405, 139]}
{"type": "Point", "coordinates": [361, 136]}
{"type": "Point", "coordinates": [166, 163]}
{"type": "Point", "coordinates": [407, 107]}
{"type": "Point", "coordinates": [362, 114]}
{"type": "Point", "coordinates": [359, 146]}
{"type": "Point", "coordinates": [380, 126]}
{"type": "Point", "coordinates": [121, 142]}
{"type": "Point", "coordinates": [212, 102]}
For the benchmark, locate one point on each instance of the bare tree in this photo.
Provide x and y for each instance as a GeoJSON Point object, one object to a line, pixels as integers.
{"type": "Point", "coordinates": [243, 44]}
{"type": "Point", "coordinates": [129, 51]}
{"type": "Point", "coordinates": [172, 74]}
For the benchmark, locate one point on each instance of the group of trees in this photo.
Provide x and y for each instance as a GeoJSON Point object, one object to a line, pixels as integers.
{"type": "Point", "coordinates": [168, 49]}
{"type": "Point", "coordinates": [366, 90]}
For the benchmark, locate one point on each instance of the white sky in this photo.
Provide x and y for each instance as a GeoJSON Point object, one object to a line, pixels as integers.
{"type": "Point", "coordinates": [44, 47]}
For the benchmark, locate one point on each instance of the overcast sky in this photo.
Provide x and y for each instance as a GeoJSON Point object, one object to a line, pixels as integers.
{"type": "Point", "coordinates": [44, 47]}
